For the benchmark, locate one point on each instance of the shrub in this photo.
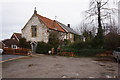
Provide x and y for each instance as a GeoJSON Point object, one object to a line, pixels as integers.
{"type": "Point", "coordinates": [43, 48]}
{"type": "Point", "coordinates": [88, 52]}
{"type": "Point", "coordinates": [77, 45]}
{"type": "Point", "coordinates": [82, 49]}
{"type": "Point", "coordinates": [81, 44]}
{"type": "Point", "coordinates": [83, 52]}
{"type": "Point", "coordinates": [67, 41]}
{"type": "Point", "coordinates": [53, 40]}
{"type": "Point", "coordinates": [24, 44]}
{"type": "Point", "coordinates": [111, 41]}
{"type": "Point", "coordinates": [77, 38]}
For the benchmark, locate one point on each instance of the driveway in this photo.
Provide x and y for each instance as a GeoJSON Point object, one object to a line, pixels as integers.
{"type": "Point", "coordinates": [45, 66]}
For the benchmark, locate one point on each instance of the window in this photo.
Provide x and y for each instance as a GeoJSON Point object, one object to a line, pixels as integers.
{"type": "Point", "coordinates": [65, 37]}
{"type": "Point", "coordinates": [13, 38]}
{"type": "Point", "coordinates": [117, 50]}
{"type": "Point", "coordinates": [34, 31]}
{"type": "Point", "coordinates": [14, 46]}
{"type": "Point", "coordinates": [70, 35]}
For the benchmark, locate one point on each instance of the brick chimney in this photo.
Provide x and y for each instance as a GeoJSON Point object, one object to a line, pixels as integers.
{"type": "Point", "coordinates": [35, 12]}
{"type": "Point", "coordinates": [69, 25]}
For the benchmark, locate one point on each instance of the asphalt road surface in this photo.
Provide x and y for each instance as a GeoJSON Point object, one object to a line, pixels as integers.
{"type": "Point", "coordinates": [6, 57]}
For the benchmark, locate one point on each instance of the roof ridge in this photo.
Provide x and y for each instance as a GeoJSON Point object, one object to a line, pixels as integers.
{"type": "Point", "coordinates": [50, 23]}
{"type": "Point", "coordinates": [17, 33]}
{"type": "Point", "coordinates": [69, 29]}
{"type": "Point", "coordinates": [45, 17]}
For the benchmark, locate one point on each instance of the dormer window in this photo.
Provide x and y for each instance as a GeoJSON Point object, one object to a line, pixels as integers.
{"type": "Point", "coordinates": [13, 38]}
{"type": "Point", "coordinates": [34, 31]}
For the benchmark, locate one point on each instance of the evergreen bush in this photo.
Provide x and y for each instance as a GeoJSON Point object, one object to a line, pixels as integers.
{"type": "Point", "coordinates": [24, 44]}
{"type": "Point", "coordinates": [43, 48]}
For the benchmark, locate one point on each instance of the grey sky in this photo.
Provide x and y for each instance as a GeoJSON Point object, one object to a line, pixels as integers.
{"type": "Point", "coordinates": [14, 14]}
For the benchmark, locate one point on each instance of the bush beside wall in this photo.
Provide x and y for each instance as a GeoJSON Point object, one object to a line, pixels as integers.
{"type": "Point", "coordinates": [82, 49]}
{"type": "Point", "coordinates": [43, 48]}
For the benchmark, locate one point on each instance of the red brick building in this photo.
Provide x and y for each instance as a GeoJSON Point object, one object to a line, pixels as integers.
{"type": "Point", "coordinates": [13, 42]}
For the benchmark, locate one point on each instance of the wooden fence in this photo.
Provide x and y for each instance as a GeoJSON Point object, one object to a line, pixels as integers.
{"type": "Point", "coordinates": [20, 51]}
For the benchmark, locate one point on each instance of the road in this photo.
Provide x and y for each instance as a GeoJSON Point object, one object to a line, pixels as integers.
{"type": "Point", "coordinates": [45, 66]}
{"type": "Point", "coordinates": [0, 57]}
{"type": "Point", "coordinates": [7, 57]}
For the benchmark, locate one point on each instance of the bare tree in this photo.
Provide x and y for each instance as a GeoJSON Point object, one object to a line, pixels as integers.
{"type": "Point", "coordinates": [82, 27]}
{"type": "Point", "coordinates": [101, 12]}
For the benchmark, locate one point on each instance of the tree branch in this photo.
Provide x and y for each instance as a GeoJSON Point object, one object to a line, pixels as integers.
{"type": "Point", "coordinates": [105, 3]}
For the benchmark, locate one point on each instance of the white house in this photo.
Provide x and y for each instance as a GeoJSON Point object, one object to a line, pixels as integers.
{"type": "Point", "coordinates": [38, 29]}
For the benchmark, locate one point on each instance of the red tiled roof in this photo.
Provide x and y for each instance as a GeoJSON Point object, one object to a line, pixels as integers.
{"type": "Point", "coordinates": [52, 24]}
{"type": "Point", "coordinates": [19, 35]}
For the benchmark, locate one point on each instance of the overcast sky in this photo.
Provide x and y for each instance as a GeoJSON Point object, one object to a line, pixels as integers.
{"type": "Point", "coordinates": [14, 14]}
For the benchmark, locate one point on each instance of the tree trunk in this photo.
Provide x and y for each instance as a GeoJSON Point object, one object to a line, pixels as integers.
{"type": "Point", "coordinates": [99, 37]}
{"type": "Point", "coordinates": [99, 19]}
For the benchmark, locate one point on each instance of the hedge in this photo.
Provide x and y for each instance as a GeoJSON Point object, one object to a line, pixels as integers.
{"type": "Point", "coordinates": [43, 48]}
{"type": "Point", "coordinates": [83, 52]}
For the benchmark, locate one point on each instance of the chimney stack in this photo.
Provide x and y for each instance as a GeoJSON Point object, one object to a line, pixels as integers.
{"type": "Point", "coordinates": [35, 12]}
{"type": "Point", "coordinates": [69, 25]}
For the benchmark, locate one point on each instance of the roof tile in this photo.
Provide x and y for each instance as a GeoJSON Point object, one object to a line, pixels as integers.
{"type": "Point", "coordinates": [52, 24]}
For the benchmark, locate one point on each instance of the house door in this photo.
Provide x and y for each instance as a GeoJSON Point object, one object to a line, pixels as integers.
{"type": "Point", "coordinates": [34, 47]}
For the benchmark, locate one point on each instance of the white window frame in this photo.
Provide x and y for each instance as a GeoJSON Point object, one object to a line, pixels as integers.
{"type": "Point", "coordinates": [13, 38]}
{"type": "Point", "coordinates": [70, 35]}
{"type": "Point", "coordinates": [65, 37]}
{"type": "Point", "coordinates": [14, 46]}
